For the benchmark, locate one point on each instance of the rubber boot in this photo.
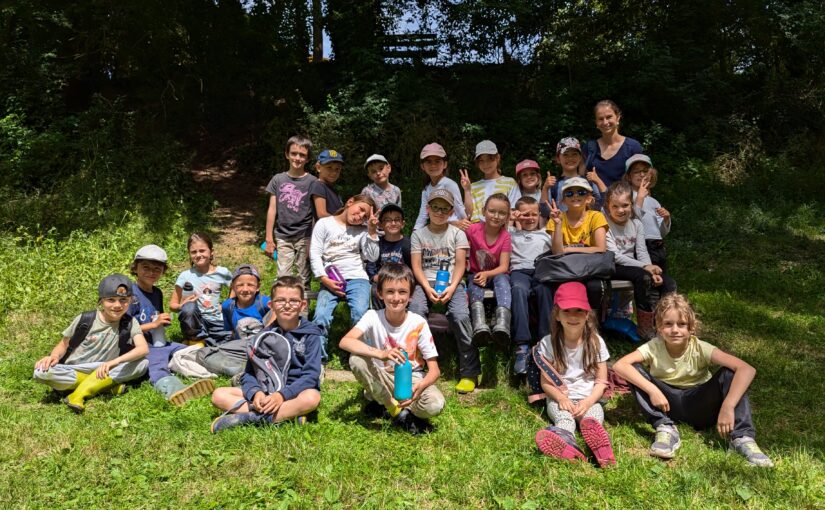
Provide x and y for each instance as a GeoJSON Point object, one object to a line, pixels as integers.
{"type": "Point", "coordinates": [501, 329]}
{"type": "Point", "coordinates": [90, 387]}
{"type": "Point", "coordinates": [481, 331]}
{"type": "Point", "coordinates": [647, 324]}
{"type": "Point", "coordinates": [168, 386]}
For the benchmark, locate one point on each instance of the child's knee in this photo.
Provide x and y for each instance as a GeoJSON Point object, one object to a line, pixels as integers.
{"type": "Point", "coordinates": [310, 399]}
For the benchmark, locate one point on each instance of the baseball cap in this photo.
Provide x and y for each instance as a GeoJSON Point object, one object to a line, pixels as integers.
{"type": "Point", "coordinates": [246, 269]}
{"type": "Point", "coordinates": [151, 252]}
{"type": "Point", "coordinates": [442, 194]}
{"type": "Point", "coordinates": [486, 147]}
{"type": "Point", "coordinates": [375, 157]}
{"type": "Point", "coordinates": [432, 149]}
{"type": "Point", "coordinates": [114, 285]}
{"type": "Point", "coordinates": [571, 295]}
{"type": "Point", "coordinates": [636, 158]}
{"type": "Point", "coordinates": [329, 156]}
{"type": "Point", "coordinates": [526, 164]}
{"type": "Point", "coordinates": [576, 182]}
{"type": "Point", "coordinates": [389, 208]}
{"type": "Point", "coordinates": [567, 144]}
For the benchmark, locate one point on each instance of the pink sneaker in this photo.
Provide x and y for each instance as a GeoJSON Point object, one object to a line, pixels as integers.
{"type": "Point", "coordinates": [598, 441]}
{"type": "Point", "coordinates": [551, 441]}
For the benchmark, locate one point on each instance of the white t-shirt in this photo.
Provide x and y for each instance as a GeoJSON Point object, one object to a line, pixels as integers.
{"type": "Point", "coordinates": [413, 335]}
{"type": "Point", "coordinates": [435, 248]}
{"type": "Point", "coordinates": [345, 246]}
{"type": "Point", "coordinates": [579, 383]}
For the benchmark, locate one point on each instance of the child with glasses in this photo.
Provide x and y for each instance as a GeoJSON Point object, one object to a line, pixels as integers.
{"type": "Point", "coordinates": [569, 157]}
{"type": "Point", "coordinates": [393, 247]}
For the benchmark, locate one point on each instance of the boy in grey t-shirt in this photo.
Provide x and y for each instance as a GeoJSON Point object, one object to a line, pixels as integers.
{"type": "Point", "coordinates": [289, 217]}
{"type": "Point", "coordinates": [529, 241]}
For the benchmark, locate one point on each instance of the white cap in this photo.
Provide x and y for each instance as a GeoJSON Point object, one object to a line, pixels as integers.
{"type": "Point", "coordinates": [486, 147]}
{"type": "Point", "coordinates": [151, 252]}
{"type": "Point", "coordinates": [375, 157]}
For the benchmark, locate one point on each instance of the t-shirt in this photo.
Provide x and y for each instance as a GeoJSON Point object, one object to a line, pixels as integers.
{"type": "Point", "coordinates": [486, 187]}
{"type": "Point", "coordinates": [390, 252]}
{"type": "Point", "coordinates": [345, 246]}
{"type": "Point", "coordinates": [627, 242]}
{"type": "Point", "coordinates": [579, 383]}
{"type": "Point", "coordinates": [382, 197]}
{"type": "Point", "coordinates": [444, 183]}
{"type": "Point", "coordinates": [583, 234]}
{"type": "Point", "coordinates": [145, 308]}
{"type": "Point", "coordinates": [527, 245]}
{"type": "Point", "coordinates": [483, 256]}
{"type": "Point", "coordinates": [321, 189]}
{"type": "Point", "coordinates": [413, 335]}
{"type": "Point", "coordinates": [244, 322]}
{"type": "Point", "coordinates": [208, 289]}
{"type": "Point", "coordinates": [610, 170]}
{"type": "Point", "coordinates": [101, 343]}
{"type": "Point", "coordinates": [656, 228]}
{"type": "Point", "coordinates": [435, 248]}
{"type": "Point", "coordinates": [294, 207]}
{"type": "Point", "coordinates": [690, 369]}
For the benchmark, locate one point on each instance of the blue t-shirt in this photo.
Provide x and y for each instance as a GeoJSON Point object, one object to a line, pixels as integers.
{"type": "Point", "coordinates": [243, 322]}
{"type": "Point", "coordinates": [208, 289]}
{"type": "Point", "coordinates": [390, 252]}
{"type": "Point", "coordinates": [145, 307]}
{"type": "Point", "coordinates": [610, 170]}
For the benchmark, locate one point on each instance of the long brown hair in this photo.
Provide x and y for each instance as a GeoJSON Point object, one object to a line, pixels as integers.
{"type": "Point", "coordinates": [590, 349]}
{"type": "Point", "coordinates": [355, 199]}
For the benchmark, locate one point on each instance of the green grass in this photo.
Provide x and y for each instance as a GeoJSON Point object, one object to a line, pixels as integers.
{"type": "Point", "coordinates": [754, 274]}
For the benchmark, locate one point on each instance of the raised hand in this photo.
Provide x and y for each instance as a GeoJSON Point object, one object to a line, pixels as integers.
{"type": "Point", "coordinates": [466, 184]}
{"type": "Point", "coordinates": [664, 213]}
{"type": "Point", "coordinates": [555, 213]}
{"type": "Point", "coordinates": [372, 224]}
{"type": "Point", "coordinates": [550, 181]}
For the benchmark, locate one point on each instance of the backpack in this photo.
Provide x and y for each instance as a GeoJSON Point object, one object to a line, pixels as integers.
{"type": "Point", "coordinates": [124, 342]}
{"type": "Point", "coordinates": [270, 355]}
{"type": "Point", "coordinates": [259, 305]}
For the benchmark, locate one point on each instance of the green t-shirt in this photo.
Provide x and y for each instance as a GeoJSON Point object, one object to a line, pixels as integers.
{"type": "Point", "coordinates": [690, 369]}
{"type": "Point", "coordinates": [100, 344]}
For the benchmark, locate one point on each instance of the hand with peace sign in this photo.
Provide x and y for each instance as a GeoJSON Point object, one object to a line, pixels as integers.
{"type": "Point", "coordinates": [466, 184]}
{"type": "Point", "coordinates": [555, 213]}
{"type": "Point", "coordinates": [372, 223]}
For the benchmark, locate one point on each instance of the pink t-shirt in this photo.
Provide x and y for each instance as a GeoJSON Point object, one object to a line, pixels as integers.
{"type": "Point", "coordinates": [483, 256]}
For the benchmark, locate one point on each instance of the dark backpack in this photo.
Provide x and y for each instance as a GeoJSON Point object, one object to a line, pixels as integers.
{"type": "Point", "coordinates": [270, 354]}
{"type": "Point", "coordinates": [124, 341]}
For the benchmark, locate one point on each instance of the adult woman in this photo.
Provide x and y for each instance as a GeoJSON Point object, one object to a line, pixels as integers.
{"type": "Point", "coordinates": [608, 154]}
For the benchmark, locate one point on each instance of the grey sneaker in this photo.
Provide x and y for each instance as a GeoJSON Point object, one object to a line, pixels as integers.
{"type": "Point", "coordinates": [666, 443]}
{"type": "Point", "coordinates": [236, 379]}
{"type": "Point", "coordinates": [747, 447]}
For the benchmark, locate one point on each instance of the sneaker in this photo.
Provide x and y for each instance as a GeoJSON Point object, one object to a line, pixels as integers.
{"type": "Point", "coordinates": [557, 442]}
{"type": "Point", "coordinates": [227, 421]}
{"type": "Point", "coordinates": [373, 409]}
{"type": "Point", "coordinates": [520, 362]}
{"type": "Point", "coordinates": [598, 441]}
{"type": "Point", "coordinates": [465, 385]}
{"type": "Point", "coordinates": [300, 420]}
{"type": "Point", "coordinates": [406, 420]}
{"type": "Point", "coordinates": [747, 447]}
{"type": "Point", "coordinates": [666, 443]}
{"type": "Point", "coordinates": [194, 390]}
{"type": "Point", "coordinates": [236, 379]}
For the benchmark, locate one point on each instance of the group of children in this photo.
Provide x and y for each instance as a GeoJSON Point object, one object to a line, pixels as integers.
{"type": "Point", "coordinates": [493, 232]}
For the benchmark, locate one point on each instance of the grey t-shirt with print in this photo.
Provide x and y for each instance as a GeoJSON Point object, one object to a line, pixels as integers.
{"type": "Point", "coordinates": [435, 248]}
{"type": "Point", "coordinates": [527, 245]}
{"type": "Point", "coordinates": [294, 211]}
{"type": "Point", "coordinates": [100, 344]}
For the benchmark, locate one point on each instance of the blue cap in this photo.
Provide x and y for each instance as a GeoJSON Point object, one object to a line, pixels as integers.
{"type": "Point", "coordinates": [329, 156]}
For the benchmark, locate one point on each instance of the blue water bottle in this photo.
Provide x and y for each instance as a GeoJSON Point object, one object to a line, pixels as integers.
{"type": "Point", "coordinates": [442, 277]}
{"type": "Point", "coordinates": [403, 380]}
{"type": "Point", "coordinates": [274, 252]}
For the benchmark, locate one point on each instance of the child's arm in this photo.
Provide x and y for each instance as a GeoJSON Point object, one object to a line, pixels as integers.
{"type": "Point", "coordinates": [421, 220]}
{"type": "Point", "coordinates": [320, 206]}
{"type": "Point", "coordinates": [552, 391]}
{"type": "Point", "coordinates": [140, 350]}
{"type": "Point", "coordinates": [743, 375]}
{"type": "Point", "coordinates": [593, 177]}
{"type": "Point", "coordinates": [481, 277]}
{"type": "Point", "coordinates": [177, 300]}
{"type": "Point", "coordinates": [227, 316]}
{"type": "Point", "coordinates": [353, 343]}
{"type": "Point", "coordinates": [433, 373]}
{"type": "Point", "coordinates": [598, 390]}
{"type": "Point", "coordinates": [620, 258]}
{"type": "Point", "coordinates": [310, 375]}
{"type": "Point", "coordinates": [421, 278]}
{"type": "Point", "coordinates": [467, 186]}
{"type": "Point", "coordinates": [557, 235]}
{"type": "Point", "coordinates": [59, 350]}
{"type": "Point", "coordinates": [369, 242]}
{"type": "Point", "coordinates": [599, 243]}
{"type": "Point", "coordinates": [624, 367]}
{"type": "Point", "coordinates": [271, 216]}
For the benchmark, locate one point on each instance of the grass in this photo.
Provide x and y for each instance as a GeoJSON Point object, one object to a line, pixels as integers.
{"type": "Point", "coordinates": [754, 274]}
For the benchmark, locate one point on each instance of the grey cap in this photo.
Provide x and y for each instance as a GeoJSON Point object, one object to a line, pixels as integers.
{"type": "Point", "coordinates": [151, 252]}
{"type": "Point", "coordinates": [246, 269]}
{"type": "Point", "coordinates": [576, 182]}
{"type": "Point", "coordinates": [486, 147]}
{"type": "Point", "coordinates": [114, 285]}
{"type": "Point", "coordinates": [375, 157]}
{"type": "Point", "coordinates": [636, 158]}
{"type": "Point", "coordinates": [443, 194]}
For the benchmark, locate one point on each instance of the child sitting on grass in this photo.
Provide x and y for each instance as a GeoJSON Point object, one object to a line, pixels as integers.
{"type": "Point", "coordinates": [579, 356]}
{"type": "Point", "coordinates": [282, 376]}
{"type": "Point", "coordinates": [147, 307]}
{"type": "Point", "coordinates": [379, 341]}
{"type": "Point", "coordinates": [100, 350]}
{"type": "Point", "coordinates": [671, 378]}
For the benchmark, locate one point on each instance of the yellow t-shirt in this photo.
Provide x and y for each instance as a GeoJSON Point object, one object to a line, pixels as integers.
{"type": "Point", "coordinates": [690, 369]}
{"type": "Point", "coordinates": [583, 234]}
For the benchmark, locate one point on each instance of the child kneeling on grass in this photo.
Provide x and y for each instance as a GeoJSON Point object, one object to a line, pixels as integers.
{"type": "Point", "coordinates": [282, 376]}
{"type": "Point", "coordinates": [379, 341]}
{"type": "Point", "coordinates": [671, 379]}
{"type": "Point", "coordinates": [100, 350]}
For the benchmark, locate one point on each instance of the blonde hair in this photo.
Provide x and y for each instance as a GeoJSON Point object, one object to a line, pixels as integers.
{"type": "Point", "coordinates": [590, 348]}
{"type": "Point", "coordinates": [678, 302]}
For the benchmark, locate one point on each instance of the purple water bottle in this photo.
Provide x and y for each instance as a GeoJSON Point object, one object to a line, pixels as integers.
{"type": "Point", "coordinates": [335, 275]}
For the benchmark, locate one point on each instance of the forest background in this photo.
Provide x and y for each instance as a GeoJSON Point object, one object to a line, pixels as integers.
{"type": "Point", "coordinates": [106, 107]}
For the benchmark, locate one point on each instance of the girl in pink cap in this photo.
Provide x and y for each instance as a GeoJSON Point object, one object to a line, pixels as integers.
{"type": "Point", "coordinates": [578, 355]}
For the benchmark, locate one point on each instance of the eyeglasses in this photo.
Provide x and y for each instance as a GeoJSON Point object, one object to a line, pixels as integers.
{"type": "Point", "coordinates": [440, 210]}
{"type": "Point", "coordinates": [281, 302]}
{"type": "Point", "coordinates": [579, 192]}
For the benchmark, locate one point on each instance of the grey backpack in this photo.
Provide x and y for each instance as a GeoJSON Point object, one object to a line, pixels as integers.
{"type": "Point", "coordinates": [270, 354]}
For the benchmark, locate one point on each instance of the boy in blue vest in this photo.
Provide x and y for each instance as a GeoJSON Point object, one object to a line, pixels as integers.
{"type": "Point", "coordinates": [99, 350]}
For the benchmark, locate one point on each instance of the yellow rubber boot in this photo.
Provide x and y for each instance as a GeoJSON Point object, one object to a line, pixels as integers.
{"type": "Point", "coordinates": [79, 378]}
{"type": "Point", "coordinates": [90, 387]}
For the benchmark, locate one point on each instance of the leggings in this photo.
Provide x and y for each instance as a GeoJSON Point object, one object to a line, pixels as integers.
{"type": "Point", "coordinates": [500, 284]}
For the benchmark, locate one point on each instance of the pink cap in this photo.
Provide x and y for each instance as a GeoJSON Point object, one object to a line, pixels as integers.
{"type": "Point", "coordinates": [571, 295]}
{"type": "Point", "coordinates": [433, 149]}
{"type": "Point", "coordinates": [525, 164]}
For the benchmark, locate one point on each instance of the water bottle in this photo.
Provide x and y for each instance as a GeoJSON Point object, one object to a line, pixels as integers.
{"type": "Point", "coordinates": [158, 334]}
{"type": "Point", "coordinates": [442, 277]}
{"type": "Point", "coordinates": [335, 275]}
{"type": "Point", "coordinates": [403, 380]}
{"type": "Point", "coordinates": [274, 252]}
